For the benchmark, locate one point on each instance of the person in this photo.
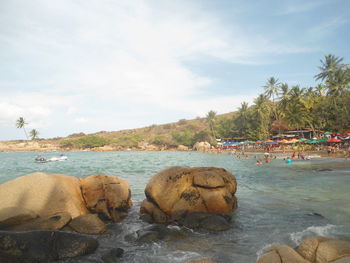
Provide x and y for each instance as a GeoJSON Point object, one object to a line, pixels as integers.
{"type": "Point", "coordinates": [289, 161]}
{"type": "Point", "coordinates": [293, 155]}
{"type": "Point", "coordinates": [348, 153]}
{"type": "Point", "coordinates": [329, 149]}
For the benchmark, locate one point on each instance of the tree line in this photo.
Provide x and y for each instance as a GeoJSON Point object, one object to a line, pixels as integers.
{"type": "Point", "coordinates": [281, 106]}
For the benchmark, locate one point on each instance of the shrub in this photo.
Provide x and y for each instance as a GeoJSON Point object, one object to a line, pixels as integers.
{"type": "Point", "coordinates": [184, 138]}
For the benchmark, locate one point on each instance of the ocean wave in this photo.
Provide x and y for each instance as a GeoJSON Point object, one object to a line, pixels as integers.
{"type": "Point", "coordinates": [326, 230]}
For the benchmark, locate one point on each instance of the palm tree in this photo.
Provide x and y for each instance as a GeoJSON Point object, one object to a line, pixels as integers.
{"type": "Point", "coordinates": [242, 119]}
{"type": "Point", "coordinates": [271, 88]}
{"type": "Point", "coordinates": [211, 120]}
{"type": "Point", "coordinates": [262, 112]}
{"type": "Point", "coordinates": [34, 134]}
{"type": "Point", "coordinates": [330, 65]}
{"type": "Point", "coordinates": [20, 123]}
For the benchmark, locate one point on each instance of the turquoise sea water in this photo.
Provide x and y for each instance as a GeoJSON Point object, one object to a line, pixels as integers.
{"type": "Point", "coordinates": [277, 203]}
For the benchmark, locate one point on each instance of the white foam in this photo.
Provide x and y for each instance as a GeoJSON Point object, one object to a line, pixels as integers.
{"type": "Point", "coordinates": [297, 237]}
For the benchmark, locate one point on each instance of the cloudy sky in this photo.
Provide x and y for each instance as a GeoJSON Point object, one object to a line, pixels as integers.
{"type": "Point", "coordinates": [89, 65]}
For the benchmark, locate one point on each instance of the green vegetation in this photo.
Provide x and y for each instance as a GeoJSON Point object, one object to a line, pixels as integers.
{"type": "Point", "coordinates": [85, 142]}
{"type": "Point", "coordinates": [280, 107]}
{"type": "Point", "coordinates": [130, 141]}
{"type": "Point", "coordinates": [34, 134]}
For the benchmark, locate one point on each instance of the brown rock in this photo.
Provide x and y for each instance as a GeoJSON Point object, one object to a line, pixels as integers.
{"type": "Point", "coordinates": [54, 222]}
{"type": "Point", "coordinates": [199, 189]}
{"type": "Point", "coordinates": [44, 194]}
{"type": "Point", "coordinates": [104, 193]}
{"type": "Point", "coordinates": [88, 224]}
{"type": "Point", "coordinates": [332, 249]}
{"type": "Point", "coordinates": [15, 216]}
{"type": "Point", "coordinates": [281, 254]}
{"type": "Point", "coordinates": [323, 250]}
{"type": "Point", "coordinates": [342, 260]}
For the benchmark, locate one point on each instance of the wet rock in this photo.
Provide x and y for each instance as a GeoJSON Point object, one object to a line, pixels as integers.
{"type": "Point", "coordinates": [188, 190]}
{"type": "Point", "coordinates": [88, 224]}
{"type": "Point", "coordinates": [112, 255]}
{"type": "Point", "coordinates": [54, 222]}
{"type": "Point", "coordinates": [201, 260]}
{"type": "Point", "coordinates": [215, 223]}
{"type": "Point", "coordinates": [106, 195]}
{"type": "Point", "coordinates": [43, 246]}
{"type": "Point", "coordinates": [324, 170]}
{"type": "Point", "coordinates": [159, 232]}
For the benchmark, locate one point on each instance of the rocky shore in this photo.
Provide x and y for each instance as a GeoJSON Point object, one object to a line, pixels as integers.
{"type": "Point", "coordinates": [48, 217]}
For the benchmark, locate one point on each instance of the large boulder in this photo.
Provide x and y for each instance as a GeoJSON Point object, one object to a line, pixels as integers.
{"type": "Point", "coordinates": [189, 190]}
{"type": "Point", "coordinates": [41, 201]}
{"type": "Point", "coordinates": [108, 196]}
{"type": "Point", "coordinates": [43, 246]}
{"type": "Point", "coordinates": [323, 250]}
{"type": "Point", "coordinates": [202, 146]}
{"type": "Point", "coordinates": [310, 250]}
{"type": "Point", "coordinates": [44, 194]}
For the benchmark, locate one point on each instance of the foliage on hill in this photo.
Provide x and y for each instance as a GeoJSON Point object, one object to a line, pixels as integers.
{"type": "Point", "coordinates": [280, 107]}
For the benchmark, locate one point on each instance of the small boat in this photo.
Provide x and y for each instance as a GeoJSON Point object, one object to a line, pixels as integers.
{"type": "Point", "coordinates": [40, 159]}
{"type": "Point", "coordinates": [58, 158]}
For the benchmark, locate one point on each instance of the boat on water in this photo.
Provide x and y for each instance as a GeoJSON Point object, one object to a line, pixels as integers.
{"type": "Point", "coordinates": [40, 159]}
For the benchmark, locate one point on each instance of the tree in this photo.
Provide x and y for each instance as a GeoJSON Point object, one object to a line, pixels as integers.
{"type": "Point", "coordinates": [242, 120]}
{"type": "Point", "coordinates": [20, 123]}
{"type": "Point", "coordinates": [33, 134]}
{"type": "Point", "coordinates": [330, 65]}
{"type": "Point", "coordinates": [271, 88]}
{"type": "Point", "coordinates": [211, 115]}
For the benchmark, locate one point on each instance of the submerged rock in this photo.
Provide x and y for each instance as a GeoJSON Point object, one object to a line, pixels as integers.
{"type": "Point", "coordinates": [189, 190]}
{"type": "Point", "coordinates": [159, 232]}
{"type": "Point", "coordinates": [43, 246]}
{"type": "Point", "coordinates": [112, 255]}
{"type": "Point", "coordinates": [88, 224]}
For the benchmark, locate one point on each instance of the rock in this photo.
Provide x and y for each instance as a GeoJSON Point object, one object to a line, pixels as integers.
{"type": "Point", "coordinates": [43, 246]}
{"type": "Point", "coordinates": [113, 255]}
{"type": "Point", "coordinates": [342, 260]}
{"type": "Point", "coordinates": [281, 254]}
{"type": "Point", "coordinates": [202, 146]}
{"type": "Point", "coordinates": [54, 222]}
{"type": "Point", "coordinates": [182, 148]}
{"type": "Point", "coordinates": [43, 194]}
{"type": "Point", "coordinates": [159, 232]}
{"type": "Point", "coordinates": [201, 260]}
{"type": "Point", "coordinates": [323, 250]}
{"type": "Point", "coordinates": [215, 223]}
{"type": "Point", "coordinates": [104, 194]}
{"type": "Point", "coordinates": [198, 189]}
{"type": "Point", "coordinates": [10, 216]}
{"type": "Point", "coordinates": [88, 224]}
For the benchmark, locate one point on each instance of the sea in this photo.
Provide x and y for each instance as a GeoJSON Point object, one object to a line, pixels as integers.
{"type": "Point", "coordinates": [278, 203]}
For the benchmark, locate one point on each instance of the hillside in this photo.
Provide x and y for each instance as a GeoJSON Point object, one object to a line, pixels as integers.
{"type": "Point", "coordinates": [169, 135]}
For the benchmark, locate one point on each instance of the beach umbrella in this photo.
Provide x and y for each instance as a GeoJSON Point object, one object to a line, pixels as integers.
{"type": "Point", "coordinates": [311, 141]}
{"type": "Point", "coordinates": [322, 139]}
{"type": "Point", "coordinates": [302, 140]}
{"type": "Point", "coordinates": [271, 143]}
{"type": "Point", "coordinates": [334, 140]}
{"type": "Point", "coordinates": [327, 133]}
{"type": "Point", "coordinates": [268, 141]}
{"type": "Point", "coordinates": [284, 141]}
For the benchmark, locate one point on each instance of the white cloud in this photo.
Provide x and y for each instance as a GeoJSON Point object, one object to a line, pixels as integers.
{"type": "Point", "coordinates": [118, 52]}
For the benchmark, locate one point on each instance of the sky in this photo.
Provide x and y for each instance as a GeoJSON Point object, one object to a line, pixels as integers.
{"type": "Point", "coordinates": [73, 66]}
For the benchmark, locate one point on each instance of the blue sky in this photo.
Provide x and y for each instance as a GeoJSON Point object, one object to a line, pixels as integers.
{"type": "Point", "coordinates": [90, 65]}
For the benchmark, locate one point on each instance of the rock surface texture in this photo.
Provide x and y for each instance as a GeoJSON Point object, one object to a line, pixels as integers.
{"type": "Point", "coordinates": [43, 246]}
{"type": "Point", "coordinates": [42, 201]}
{"type": "Point", "coordinates": [176, 192]}
{"type": "Point", "coordinates": [311, 250]}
